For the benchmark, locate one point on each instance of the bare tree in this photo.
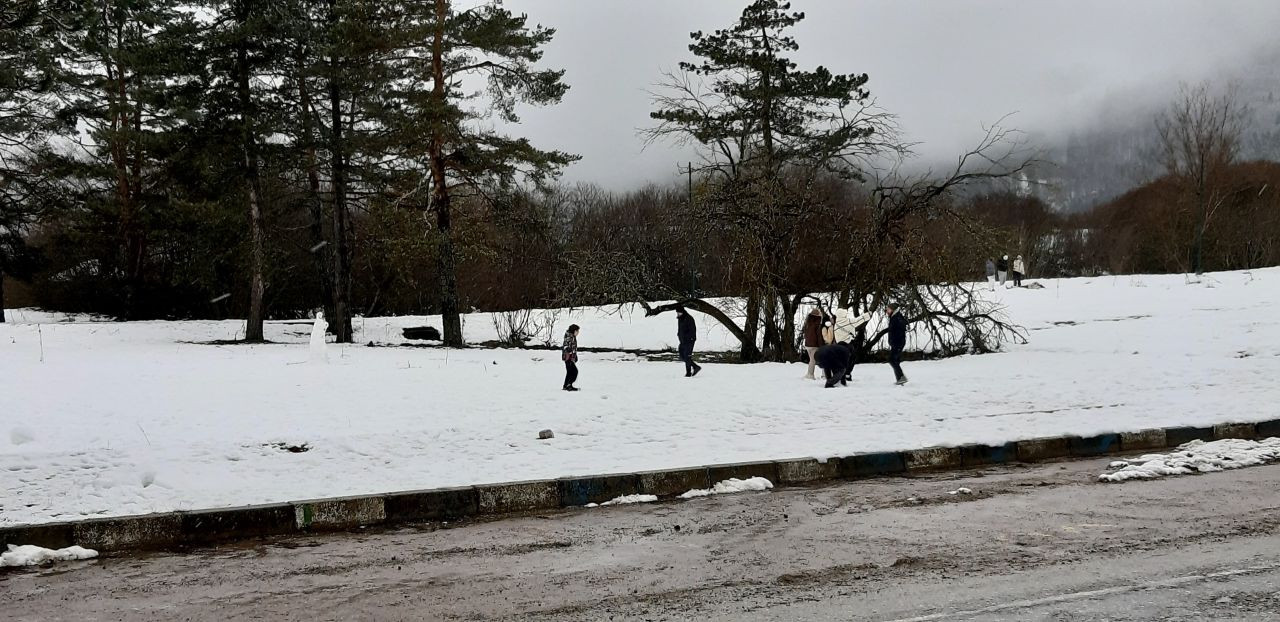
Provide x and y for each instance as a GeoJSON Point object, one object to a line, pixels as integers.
{"type": "Point", "coordinates": [889, 242]}
{"type": "Point", "coordinates": [767, 132]}
{"type": "Point", "coordinates": [1200, 137]}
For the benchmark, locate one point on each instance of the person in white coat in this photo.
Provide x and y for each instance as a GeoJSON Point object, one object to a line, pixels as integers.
{"type": "Point", "coordinates": [1019, 269]}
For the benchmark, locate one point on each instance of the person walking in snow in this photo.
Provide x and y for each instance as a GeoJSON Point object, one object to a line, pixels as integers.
{"type": "Point", "coordinates": [1019, 269]}
{"type": "Point", "coordinates": [1002, 270]}
{"type": "Point", "coordinates": [897, 340]}
{"type": "Point", "coordinates": [991, 273]}
{"type": "Point", "coordinates": [835, 360]}
{"type": "Point", "coordinates": [812, 332]}
{"type": "Point", "coordinates": [687, 332]}
{"type": "Point", "coordinates": [569, 352]}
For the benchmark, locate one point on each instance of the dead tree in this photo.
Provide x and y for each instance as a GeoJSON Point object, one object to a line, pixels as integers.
{"type": "Point", "coordinates": [1199, 139]}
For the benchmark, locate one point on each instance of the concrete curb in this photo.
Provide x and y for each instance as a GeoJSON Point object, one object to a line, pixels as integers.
{"type": "Point", "coordinates": [172, 529]}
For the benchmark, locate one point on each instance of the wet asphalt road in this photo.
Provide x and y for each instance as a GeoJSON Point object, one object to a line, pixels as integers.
{"type": "Point", "coordinates": [1043, 542]}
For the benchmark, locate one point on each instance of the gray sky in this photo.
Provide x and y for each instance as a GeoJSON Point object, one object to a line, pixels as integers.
{"type": "Point", "coordinates": [945, 67]}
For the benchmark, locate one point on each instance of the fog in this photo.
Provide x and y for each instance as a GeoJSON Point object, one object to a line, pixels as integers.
{"type": "Point", "coordinates": [945, 68]}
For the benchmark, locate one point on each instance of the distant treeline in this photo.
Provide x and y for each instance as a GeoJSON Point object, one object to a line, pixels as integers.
{"type": "Point", "coordinates": [513, 251]}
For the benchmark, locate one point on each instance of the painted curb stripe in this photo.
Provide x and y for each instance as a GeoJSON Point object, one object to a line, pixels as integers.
{"type": "Point", "coordinates": [169, 529]}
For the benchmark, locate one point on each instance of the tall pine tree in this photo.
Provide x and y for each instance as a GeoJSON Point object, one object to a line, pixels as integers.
{"type": "Point", "coordinates": [458, 70]}
{"type": "Point", "coordinates": [127, 81]}
{"type": "Point", "coordinates": [768, 129]}
{"type": "Point", "coordinates": [28, 86]}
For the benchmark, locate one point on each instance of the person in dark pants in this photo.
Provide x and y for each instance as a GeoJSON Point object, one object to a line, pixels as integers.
{"type": "Point", "coordinates": [569, 352]}
{"type": "Point", "coordinates": [687, 331]}
{"type": "Point", "coordinates": [856, 345]}
{"type": "Point", "coordinates": [897, 340]}
{"type": "Point", "coordinates": [835, 360]}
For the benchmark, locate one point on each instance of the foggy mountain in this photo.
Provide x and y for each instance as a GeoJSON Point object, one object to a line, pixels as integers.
{"type": "Point", "coordinates": [1090, 165]}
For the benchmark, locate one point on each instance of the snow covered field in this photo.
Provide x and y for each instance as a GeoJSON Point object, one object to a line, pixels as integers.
{"type": "Point", "coordinates": [100, 419]}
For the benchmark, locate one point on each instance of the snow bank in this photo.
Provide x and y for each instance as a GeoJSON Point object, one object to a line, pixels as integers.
{"type": "Point", "coordinates": [729, 486]}
{"type": "Point", "coordinates": [626, 499]}
{"type": "Point", "coordinates": [31, 555]}
{"type": "Point", "coordinates": [1196, 457]}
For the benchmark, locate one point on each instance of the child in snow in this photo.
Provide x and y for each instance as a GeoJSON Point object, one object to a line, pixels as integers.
{"type": "Point", "coordinates": [991, 273]}
{"type": "Point", "coordinates": [1002, 270]}
{"type": "Point", "coordinates": [1019, 269]}
{"type": "Point", "coordinates": [570, 355]}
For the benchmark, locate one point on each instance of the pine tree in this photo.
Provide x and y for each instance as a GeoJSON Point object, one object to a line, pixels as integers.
{"type": "Point", "coordinates": [27, 79]}
{"type": "Point", "coordinates": [434, 125]}
{"type": "Point", "coordinates": [768, 130]}
{"type": "Point", "coordinates": [126, 83]}
{"type": "Point", "coordinates": [238, 47]}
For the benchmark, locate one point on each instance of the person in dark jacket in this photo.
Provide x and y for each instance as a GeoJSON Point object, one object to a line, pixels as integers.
{"type": "Point", "coordinates": [835, 360]}
{"type": "Point", "coordinates": [1002, 270]}
{"type": "Point", "coordinates": [569, 352]}
{"type": "Point", "coordinates": [897, 340]}
{"type": "Point", "coordinates": [856, 345]}
{"type": "Point", "coordinates": [687, 331]}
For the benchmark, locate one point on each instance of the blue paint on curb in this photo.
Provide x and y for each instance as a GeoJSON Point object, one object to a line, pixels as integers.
{"type": "Point", "coordinates": [1185, 434]}
{"type": "Point", "coordinates": [578, 491]}
{"type": "Point", "coordinates": [1269, 429]}
{"type": "Point", "coordinates": [979, 455]}
{"type": "Point", "coordinates": [867, 465]}
{"type": "Point", "coordinates": [1095, 445]}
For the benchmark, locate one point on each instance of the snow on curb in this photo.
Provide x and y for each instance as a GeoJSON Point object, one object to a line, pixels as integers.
{"type": "Point", "coordinates": [729, 486]}
{"type": "Point", "coordinates": [1196, 457]}
{"type": "Point", "coordinates": [625, 500]}
{"type": "Point", "coordinates": [31, 555]}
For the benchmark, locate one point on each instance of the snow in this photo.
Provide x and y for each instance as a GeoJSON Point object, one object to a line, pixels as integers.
{"type": "Point", "coordinates": [1196, 457]}
{"type": "Point", "coordinates": [107, 419]}
{"type": "Point", "coordinates": [625, 500]}
{"type": "Point", "coordinates": [730, 485]}
{"type": "Point", "coordinates": [961, 491]}
{"type": "Point", "coordinates": [31, 555]}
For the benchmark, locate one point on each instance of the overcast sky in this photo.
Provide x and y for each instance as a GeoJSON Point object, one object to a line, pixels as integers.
{"type": "Point", "coordinates": [945, 67]}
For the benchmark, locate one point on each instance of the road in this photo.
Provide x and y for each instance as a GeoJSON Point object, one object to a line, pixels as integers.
{"type": "Point", "coordinates": [1041, 542]}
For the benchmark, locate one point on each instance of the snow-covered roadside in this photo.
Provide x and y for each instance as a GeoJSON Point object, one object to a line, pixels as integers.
{"type": "Point", "coordinates": [625, 500]}
{"type": "Point", "coordinates": [31, 555]}
{"type": "Point", "coordinates": [107, 419]}
{"type": "Point", "coordinates": [1196, 457]}
{"type": "Point", "coordinates": [729, 486]}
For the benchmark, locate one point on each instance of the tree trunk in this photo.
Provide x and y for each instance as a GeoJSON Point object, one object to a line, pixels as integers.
{"type": "Point", "coordinates": [131, 236]}
{"type": "Point", "coordinates": [449, 312]}
{"type": "Point", "coordinates": [1, 296]}
{"type": "Point", "coordinates": [750, 352]}
{"type": "Point", "coordinates": [789, 352]}
{"type": "Point", "coordinates": [321, 253]}
{"type": "Point", "coordinates": [341, 322]}
{"type": "Point", "coordinates": [257, 286]}
{"type": "Point", "coordinates": [772, 340]}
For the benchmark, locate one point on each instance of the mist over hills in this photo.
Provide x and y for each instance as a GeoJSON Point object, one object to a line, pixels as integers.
{"type": "Point", "coordinates": [1117, 148]}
